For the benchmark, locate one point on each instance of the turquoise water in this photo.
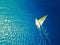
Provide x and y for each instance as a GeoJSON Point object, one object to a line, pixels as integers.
{"type": "Point", "coordinates": [17, 23]}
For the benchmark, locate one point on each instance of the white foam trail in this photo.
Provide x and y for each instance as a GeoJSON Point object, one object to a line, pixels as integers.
{"type": "Point", "coordinates": [45, 33]}
{"type": "Point", "coordinates": [42, 32]}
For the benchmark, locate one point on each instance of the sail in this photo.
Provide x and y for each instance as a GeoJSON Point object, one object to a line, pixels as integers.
{"type": "Point", "coordinates": [41, 20]}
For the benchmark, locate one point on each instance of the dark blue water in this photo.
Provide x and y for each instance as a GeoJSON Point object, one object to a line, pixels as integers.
{"type": "Point", "coordinates": [17, 21]}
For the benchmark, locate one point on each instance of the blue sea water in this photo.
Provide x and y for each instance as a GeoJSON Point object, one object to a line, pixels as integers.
{"type": "Point", "coordinates": [17, 21]}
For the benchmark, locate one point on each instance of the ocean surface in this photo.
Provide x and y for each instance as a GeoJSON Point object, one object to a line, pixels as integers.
{"type": "Point", "coordinates": [17, 22]}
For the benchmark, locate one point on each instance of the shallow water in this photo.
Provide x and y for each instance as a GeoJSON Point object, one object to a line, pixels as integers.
{"type": "Point", "coordinates": [17, 27]}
